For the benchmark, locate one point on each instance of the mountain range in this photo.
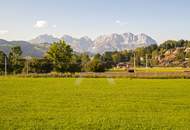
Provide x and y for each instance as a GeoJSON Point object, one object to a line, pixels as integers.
{"type": "Point", "coordinates": [113, 42]}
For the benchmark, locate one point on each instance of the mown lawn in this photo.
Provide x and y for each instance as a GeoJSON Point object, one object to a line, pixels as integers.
{"type": "Point", "coordinates": [114, 104]}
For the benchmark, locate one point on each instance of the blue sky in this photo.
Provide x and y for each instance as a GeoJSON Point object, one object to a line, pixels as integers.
{"type": "Point", "coordinates": [161, 19]}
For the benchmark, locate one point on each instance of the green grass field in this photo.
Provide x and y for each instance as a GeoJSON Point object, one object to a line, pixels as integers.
{"type": "Point", "coordinates": [89, 104]}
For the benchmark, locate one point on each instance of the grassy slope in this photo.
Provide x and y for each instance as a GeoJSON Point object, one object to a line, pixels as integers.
{"type": "Point", "coordinates": [94, 104]}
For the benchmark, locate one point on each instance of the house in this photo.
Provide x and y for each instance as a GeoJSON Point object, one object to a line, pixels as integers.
{"type": "Point", "coordinates": [187, 50]}
{"type": "Point", "coordinates": [123, 65]}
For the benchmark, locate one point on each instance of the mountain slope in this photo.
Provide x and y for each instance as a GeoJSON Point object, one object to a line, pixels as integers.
{"type": "Point", "coordinates": [113, 42]}
{"type": "Point", "coordinates": [44, 39]}
{"type": "Point", "coordinates": [119, 42]}
{"type": "Point", "coordinates": [79, 45]}
{"type": "Point", "coordinates": [27, 48]}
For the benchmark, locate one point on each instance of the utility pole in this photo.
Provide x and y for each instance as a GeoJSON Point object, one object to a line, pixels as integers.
{"type": "Point", "coordinates": [27, 64]}
{"type": "Point", "coordinates": [134, 62]}
{"type": "Point", "coordinates": [146, 61]}
{"type": "Point", "coordinates": [5, 66]}
{"type": "Point", "coordinates": [27, 67]}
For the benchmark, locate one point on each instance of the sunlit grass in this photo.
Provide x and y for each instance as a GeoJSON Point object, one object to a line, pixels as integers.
{"type": "Point", "coordinates": [154, 69]}
{"type": "Point", "coordinates": [47, 103]}
{"type": "Point", "coordinates": [162, 69]}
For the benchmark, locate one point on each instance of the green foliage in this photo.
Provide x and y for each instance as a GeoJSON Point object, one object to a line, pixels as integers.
{"type": "Point", "coordinates": [98, 57]}
{"type": "Point", "coordinates": [95, 65]}
{"type": "Point", "coordinates": [180, 56]}
{"type": "Point", "coordinates": [75, 65]}
{"type": "Point", "coordinates": [187, 55]}
{"type": "Point", "coordinates": [84, 61]}
{"type": "Point", "coordinates": [2, 62]}
{"type": "Point", "coordinates": [39, 66]}
{"type": "Point", "coordinates": [117, 57]}
{"type": "Point", "coordinates": [107, 57]}
{"type": "Point", "coordinates": [169, 44]}
{"type": "Point", "coordinates": [15, 63]}
{"type": "Point", "coordinates": [15, 54]}
{"type": "Point", "coordinates": [2, 57]}
{"type": "Point", "coordinates": [60, 54]}
{"type": "Point", "coordinates": [155, 56]}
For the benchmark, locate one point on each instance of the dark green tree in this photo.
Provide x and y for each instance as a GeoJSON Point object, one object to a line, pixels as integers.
{"type": "Point", "coordinates": [2, 62]}
{"type": "Point", "coordinates": [95, 66]}
{"type": "Point", "coordinates": [180, 56]}
{"type": "Point", "coordinates": [75, 65]}
{"type": "Point", "coordinates": [107, 57]}
{"type": "Point", "coordinates": [60, 54]}
{"type": "Point", "coordinates": [98, 57]}
{"type": "Point", "coordinates": [117, 57]}
{"type": "Point", "coordinates": [39, 66]}
{"type": "Point", "coordinates": [84, 61]}
{"type": "Point", "coordinates": [16, 65]}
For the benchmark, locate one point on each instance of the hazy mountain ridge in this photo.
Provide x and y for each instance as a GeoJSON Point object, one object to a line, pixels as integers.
{"type": "Point", "coordinates": [27, 48]}
{"type": "Point", "coordinates": [79, 45]}
{"type": "Point", "coordinates": [119, 42]}
{"type": "Point", "coordinates": [44, 39]}
{"type": "Point", "coordinates": [113, 42]}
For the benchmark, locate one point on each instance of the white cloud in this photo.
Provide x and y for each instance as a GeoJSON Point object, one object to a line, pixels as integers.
{"type": "Point", "coordinates": [118, 21]}
{"type": "Point", "coordinates": [4, 32]}
{"type": "Point", "coordinates": [121, 23]}
{"type": "Point", "coordinates": [54, 26]}
{"type": "Point", "coordinates": [41, 24]}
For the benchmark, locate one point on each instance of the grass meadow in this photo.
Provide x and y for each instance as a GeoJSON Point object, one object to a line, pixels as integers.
{"type": "Point", "coordinates": [94, 104]}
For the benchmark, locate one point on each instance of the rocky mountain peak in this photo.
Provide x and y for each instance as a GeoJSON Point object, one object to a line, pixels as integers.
{"type": "Point", "coordinates": [45, 38]}
{"type": "Point", "coordinates": [111, 42]}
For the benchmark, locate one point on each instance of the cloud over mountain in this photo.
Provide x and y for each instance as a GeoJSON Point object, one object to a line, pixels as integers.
{"type": "Point", "coordinates": [41, 24]}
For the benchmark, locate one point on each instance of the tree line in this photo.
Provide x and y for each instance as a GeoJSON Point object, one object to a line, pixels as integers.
{"type": "Point", "coordinates": [61, 58]}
